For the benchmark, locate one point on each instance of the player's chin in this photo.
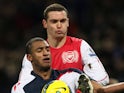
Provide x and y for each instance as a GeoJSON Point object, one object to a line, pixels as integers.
{"type": "Point", "coordinates": [45, 68]}
{"type": "Point", "coordinates": [47, 62]}
{"type": "Point", "coordinates": [60, 36]}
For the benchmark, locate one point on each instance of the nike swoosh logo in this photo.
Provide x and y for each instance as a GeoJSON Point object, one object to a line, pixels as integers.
{"type": "Point", "coordinates": [62, 88]}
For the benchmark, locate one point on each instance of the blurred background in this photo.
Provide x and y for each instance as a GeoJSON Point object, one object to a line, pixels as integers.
{"type": "Point", "coordinates": [99, 22]}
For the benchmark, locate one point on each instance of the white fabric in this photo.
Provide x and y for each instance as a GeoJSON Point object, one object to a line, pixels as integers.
{"type": "Point", "coordinates": [18, 87]}
{"type": "Point", "coordinates": [71, 79]}
{"type": "Point", "coordinates": [26, 69]}
{"type": "Point", "coordinates": [92, 65]}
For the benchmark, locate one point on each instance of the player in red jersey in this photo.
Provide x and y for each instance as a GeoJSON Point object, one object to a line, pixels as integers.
{"type": "Point", "coordinates": [68, 52]}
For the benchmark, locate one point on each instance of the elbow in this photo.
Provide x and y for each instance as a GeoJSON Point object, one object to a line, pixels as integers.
{"type": "Point", "coordinates": [104, 81]}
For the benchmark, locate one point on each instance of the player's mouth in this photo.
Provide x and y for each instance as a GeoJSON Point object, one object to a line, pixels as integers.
{"type": "Point", "coordinates": [59, 32]}
{"type": "Point", "coordinates": [46, 60]}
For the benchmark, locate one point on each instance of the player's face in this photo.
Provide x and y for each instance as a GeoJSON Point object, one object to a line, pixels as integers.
{"type": "Point", "coordinates": [56, 24]}
{"type": "Point", "coordinates": [40, 55]}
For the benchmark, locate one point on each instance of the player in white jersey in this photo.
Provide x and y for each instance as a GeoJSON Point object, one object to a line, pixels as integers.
{"type": "Point", "coordinates": [38, 53]}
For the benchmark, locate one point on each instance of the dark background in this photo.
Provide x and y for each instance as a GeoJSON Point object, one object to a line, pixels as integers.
{"type": "Point", "coordinates": [99, 22]}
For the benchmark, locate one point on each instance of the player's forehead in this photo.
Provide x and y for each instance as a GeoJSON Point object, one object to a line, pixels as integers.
{"type": "Point", "coordinates": [57, 15]}
{"type": "Point", "coordinates": [38, 44]}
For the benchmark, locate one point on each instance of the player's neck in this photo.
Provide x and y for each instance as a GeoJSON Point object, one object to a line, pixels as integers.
{"type": "Point", "coordinates": [44, 74]}
{"type": "Point", "coordinates": [56, 42]}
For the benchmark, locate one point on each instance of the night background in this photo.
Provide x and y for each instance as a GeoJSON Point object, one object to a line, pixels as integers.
{"type": "Point", "coordinates": [99, 22]}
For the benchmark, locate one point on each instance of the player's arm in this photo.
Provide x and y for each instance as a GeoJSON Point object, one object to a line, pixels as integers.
{"type": "Point", "coordinates": [77, 81]}
{"type": "Point", "coordinates": [118, 87]}
{"type": "Point", "coordinates": [92, 65]}
{"type": "Point", "coordinates": [112, 88]}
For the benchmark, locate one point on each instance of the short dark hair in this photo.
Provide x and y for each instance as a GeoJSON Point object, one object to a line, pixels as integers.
{"type": "Point", "coordinates": [29, 44]}
{"type": "Point", "coordinates": [54, 7]}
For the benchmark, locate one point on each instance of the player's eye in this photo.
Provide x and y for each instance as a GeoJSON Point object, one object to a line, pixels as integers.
{"type": "Point", "coordinates": [39, 50]}
{"type": "Point", "coordinates": [48, 49]}
{"type": "Point", "coordinates": [54, 21]}
{"type": "Point", "coordinates": [63, 20]}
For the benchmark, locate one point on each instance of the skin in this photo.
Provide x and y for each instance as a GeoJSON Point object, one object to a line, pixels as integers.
{"type": "Point", "coordinates": [40, 58]}
{"type": "Point", "coordinates": [112, 88]}
{"type": "Point", "coordinates": [118, 87]}
{"type": "Point", "coordinates": [56, 25]}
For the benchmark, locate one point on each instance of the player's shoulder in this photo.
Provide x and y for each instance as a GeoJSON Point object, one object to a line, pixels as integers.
{"type": "Point", "coordinates": [71, 70]}
{"type": "Point", "coordinates": [74, 39]}
{"type": "Point", "coordinates": [18, 87]}
{"type": "Point", "coordinates": [72, 73]}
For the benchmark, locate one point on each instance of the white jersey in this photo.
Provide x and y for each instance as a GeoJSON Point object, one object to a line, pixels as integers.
{"type": "Point", "coordinates": [92, 66]}
{"type": "Point", "coordinates": [35, 83]}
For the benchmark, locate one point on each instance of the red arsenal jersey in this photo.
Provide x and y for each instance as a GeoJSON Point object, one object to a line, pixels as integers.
{"type": "Point", "coordinates": [68, 56]}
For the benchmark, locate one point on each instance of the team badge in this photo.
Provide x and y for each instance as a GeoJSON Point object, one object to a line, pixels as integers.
{"type": "Point", "coordinates": [70, 56]}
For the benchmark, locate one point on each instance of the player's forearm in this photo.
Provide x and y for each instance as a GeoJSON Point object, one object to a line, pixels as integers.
{"type": "Point", "coordinates": [114, 88]}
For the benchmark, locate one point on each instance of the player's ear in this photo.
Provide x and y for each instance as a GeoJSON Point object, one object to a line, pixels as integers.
{"type": "Point", "coordinates": [44, 23]}
{"type": "Point", "coordinates": [29, 57]}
